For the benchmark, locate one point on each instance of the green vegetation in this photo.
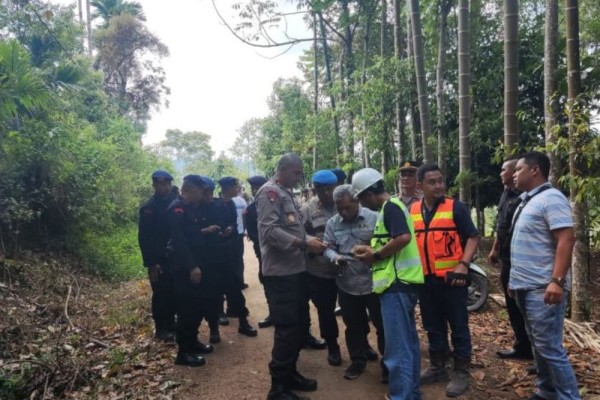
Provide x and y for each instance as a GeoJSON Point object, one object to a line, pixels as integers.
{"type": "Point", "coordinates": [73, 171]}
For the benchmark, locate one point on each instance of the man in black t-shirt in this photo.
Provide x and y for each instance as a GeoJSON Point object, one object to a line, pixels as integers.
{"type": "Point", "coordinates": [500, 253]}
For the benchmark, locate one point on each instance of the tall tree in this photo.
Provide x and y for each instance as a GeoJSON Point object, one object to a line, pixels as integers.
{"type": "Point", "coordinates": [464, 100]}
{"type": "Point", "coordinates": [108, 9]}
{"type": "Point", "coordinates": [88, 15]}
{"type": "Point", "coordinates": [551, 105]}
{"type": "Point", "coordinates": [444, 8]}
{"type": "Point", "coordinates": [400, 112]}
{"type": "Point", "coordinates": [511, 75]}
{"type": "Point", "coordinates": [419, 55]}
{"type": "Point", "coordinates": [577, 135]}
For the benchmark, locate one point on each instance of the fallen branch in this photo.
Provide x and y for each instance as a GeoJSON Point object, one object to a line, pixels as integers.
{"type": "Point", "coordinates": [67, 308]}
{"type": "Point", "coordinates": [583, 335]}
{"type": "Point", "coordinates": [99, 343]}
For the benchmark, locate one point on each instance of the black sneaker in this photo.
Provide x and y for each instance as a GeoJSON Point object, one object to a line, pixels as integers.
{"type": "Point", "coordinates": [190, 360]}
{"type": "Point", "coordinates": [354, 370]}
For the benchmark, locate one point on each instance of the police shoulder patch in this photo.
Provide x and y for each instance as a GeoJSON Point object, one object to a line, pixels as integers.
{"type": "Point", "coordinates": [178, 210]}
{"type": "Point", "coordinates": [272, 195]}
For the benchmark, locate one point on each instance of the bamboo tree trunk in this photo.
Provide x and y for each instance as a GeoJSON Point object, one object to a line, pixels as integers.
{"type": "Point", "coordinates": [328, 75]}
{"type": "Point", "coordinates": [511, 76]}
{"type": "Point", "coordinates": [444, 9]}
{"type": "Point", "coordinates": [464, 100]}
{"type": "Point", "coordinates": [412, 108]}
{"type": "Point", "coordinates": [418, 51]}
{"type": "Point", "coordinates": [81, 23]}
{"type": "Point", "coordinates": [551, 106]}
{"type": "Point", "coordinates": [315, 88]}
{"type": "Point", "coordinates": [400, 114]}
{"type": "Point", "coordinates": [580, 300]}
{"type": "Point", "coordinates": [363, 79]}
{"type": "Point", "coordinates": [88, 11]}
{"type": "Point", "coordinates": [385, 157]}
{"type": "Point", "coordinates": [349, 75]}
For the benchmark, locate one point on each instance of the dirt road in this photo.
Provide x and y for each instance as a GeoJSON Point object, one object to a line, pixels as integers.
{"type": "Point", "coordinates": [238, 367]}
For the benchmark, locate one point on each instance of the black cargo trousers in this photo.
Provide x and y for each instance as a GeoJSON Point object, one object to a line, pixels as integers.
{"type": "Point", "coordinates": [288, 304]}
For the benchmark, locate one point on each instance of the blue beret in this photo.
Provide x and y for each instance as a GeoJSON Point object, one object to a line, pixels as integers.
{"type": "Point", "coordinates": [160, 174]}
{"type": "Point", "coordinates": [257, 180]}
{"type": "Point", "coordinates": [209, 183]}
{"type": "Point", "coordinates": [195, 180]}
{"type": "Point", "coordinates": [324, 177]}
{"type": "Point", "coordinates": [228, 181]}
{"type": "Point", "coordinates": [340, 174]}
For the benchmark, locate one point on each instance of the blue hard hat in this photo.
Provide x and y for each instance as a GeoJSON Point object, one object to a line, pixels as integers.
{"type": "Point", "coordinates": [324, 177]}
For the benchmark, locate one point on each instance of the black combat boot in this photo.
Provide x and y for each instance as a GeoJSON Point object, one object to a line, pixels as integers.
{"type": "Point", "coordinates": [436, 372]}
{"type": "Point", "coordinates": [334, 356]}
{"type": "Point", "coordinates": [246, 329]}
{"type": "Point", "coordinates": [460, 380]}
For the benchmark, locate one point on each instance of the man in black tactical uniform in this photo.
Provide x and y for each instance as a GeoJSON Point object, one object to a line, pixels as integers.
{"type": "Point", "coordinates": [221, 218]}
{"type": "Point", "coordinates": [251, 223]}
{"type": "Point", "coordinates": [153, 236]}
{"type": "Point", "coordinates": [188, 254]}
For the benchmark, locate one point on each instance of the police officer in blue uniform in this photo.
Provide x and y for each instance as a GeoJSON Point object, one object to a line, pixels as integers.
{"type": "Point", "coordinates": [153, 237]}
{"type": "Point", "coordinates": [188, 254]}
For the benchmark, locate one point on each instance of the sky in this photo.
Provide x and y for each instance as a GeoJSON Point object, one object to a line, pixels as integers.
{"type": "Point", "coordinates": [216, 81]}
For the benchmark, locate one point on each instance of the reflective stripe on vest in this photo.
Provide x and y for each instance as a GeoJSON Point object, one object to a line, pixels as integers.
{"type": "Point", "coordinates": [438, 242]}
{"type": "Point", "coordinates": [405, 265]}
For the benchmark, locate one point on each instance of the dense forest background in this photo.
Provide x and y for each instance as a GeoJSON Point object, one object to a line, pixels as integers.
{"type": "Point", "coordinates": [465, 84]}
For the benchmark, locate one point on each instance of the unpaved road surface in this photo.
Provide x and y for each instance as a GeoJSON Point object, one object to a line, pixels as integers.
{"type": "Point", "coordinates": [237, 369]}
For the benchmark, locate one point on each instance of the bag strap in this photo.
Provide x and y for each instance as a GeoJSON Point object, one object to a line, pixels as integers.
{"type": "Point", "coordinates": [522, 206]}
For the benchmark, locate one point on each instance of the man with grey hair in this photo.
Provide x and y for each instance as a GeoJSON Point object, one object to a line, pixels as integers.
{"type": "Point", "coordinates": [283, 245]}
{"type": "Point", "coordinates": [354, 225]}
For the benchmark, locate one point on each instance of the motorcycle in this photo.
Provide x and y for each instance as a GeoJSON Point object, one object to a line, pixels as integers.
{"type": "Point", "coordinates": [478, 289]}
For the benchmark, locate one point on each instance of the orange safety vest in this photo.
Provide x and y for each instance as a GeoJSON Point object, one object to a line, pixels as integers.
{"type": "Point", "coordinates": [439, 243]}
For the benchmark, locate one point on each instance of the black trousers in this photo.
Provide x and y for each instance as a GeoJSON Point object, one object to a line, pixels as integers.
{"type": "Point", "coordinates": [354, 314]}
{"type": "Point", "coordinates": [193, 304]}
{"type": "Point", "coordinates": [288, 304]}
{"type": "Point", "coordinates": [239, 254]}
{"type": "Point", "coordinates": [443, 305]}
{"type": "Point", "coordinates": [164, 302]}
{"type": "Point", "coordinates": [323, 294]}
{"type": "Point", "coordinates": [230, 285]}
{"type": "Point", "coordinates": [522, 343]}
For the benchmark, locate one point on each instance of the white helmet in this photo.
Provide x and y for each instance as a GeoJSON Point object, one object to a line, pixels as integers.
{"type": "Point", "coordinates": [364, 179]}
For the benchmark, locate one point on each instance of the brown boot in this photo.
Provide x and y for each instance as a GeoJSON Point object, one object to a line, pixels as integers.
{"type": "Point", "coordinates": [460, 380]}
{"type": "Point", "coordinates": [436, 372]}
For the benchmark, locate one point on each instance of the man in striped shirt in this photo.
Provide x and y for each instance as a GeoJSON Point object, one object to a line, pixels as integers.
{"type": "Point", "coordinates": [541, 249]}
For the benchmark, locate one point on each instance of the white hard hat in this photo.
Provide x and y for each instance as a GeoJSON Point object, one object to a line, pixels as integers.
{"type": "Point", "coordinates": [364, 179]}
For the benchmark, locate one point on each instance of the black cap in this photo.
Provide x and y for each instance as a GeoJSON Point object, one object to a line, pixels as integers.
{"type": "Point", "coordinates": [408, 165]}
{"type": "Point", "coordinates": [257, 180]}
{"type": "Point", "coordinates": [161, 174]}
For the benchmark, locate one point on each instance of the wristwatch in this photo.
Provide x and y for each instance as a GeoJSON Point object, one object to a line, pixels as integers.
{"type": "Point", "coordinates": [559, 281]}
{"type": "Point", "coordinates": [377, 256]}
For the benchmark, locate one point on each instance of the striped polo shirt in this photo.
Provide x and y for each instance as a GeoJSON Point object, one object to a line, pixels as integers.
{"type": "Point", "coordinates": [533, 248]}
